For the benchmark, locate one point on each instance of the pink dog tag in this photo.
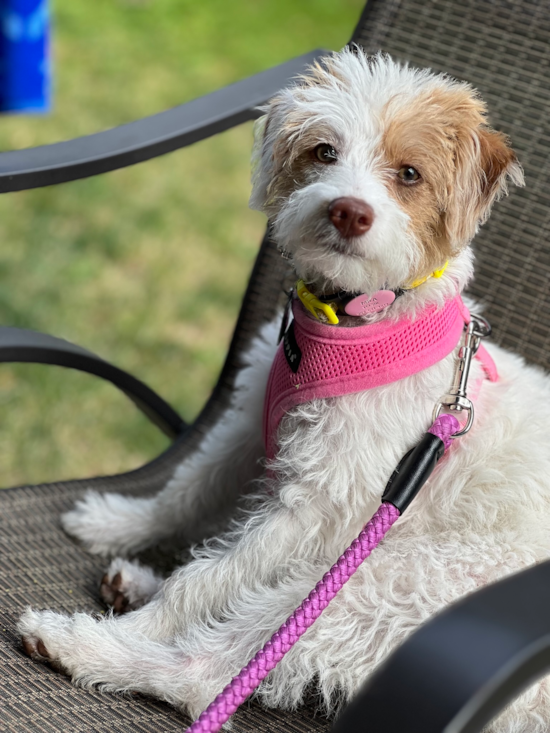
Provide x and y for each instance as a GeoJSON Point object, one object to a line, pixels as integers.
{"type": "Point", "coordinates": [362, 305]}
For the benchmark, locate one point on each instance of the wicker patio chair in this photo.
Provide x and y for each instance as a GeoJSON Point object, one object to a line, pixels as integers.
{"type": "Point", "coordinates": [502, 47]}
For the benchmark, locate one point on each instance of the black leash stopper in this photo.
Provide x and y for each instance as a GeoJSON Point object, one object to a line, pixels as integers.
{"type": "Point", "coordinates": [412, 472]}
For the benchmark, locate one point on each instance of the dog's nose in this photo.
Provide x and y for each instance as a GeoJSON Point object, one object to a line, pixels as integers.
{"type": "Point", "coordinates": [352, 217]}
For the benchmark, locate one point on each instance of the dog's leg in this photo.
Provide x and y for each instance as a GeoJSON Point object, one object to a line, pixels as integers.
{"type": "Point", "coordinates": [106, 652]}
{"type": "Point", "coordinates": [204, 488]}
{"type": "Point", "coordinates": [261, 550]}
{"type": "Point", "coordinates": [187, 671]}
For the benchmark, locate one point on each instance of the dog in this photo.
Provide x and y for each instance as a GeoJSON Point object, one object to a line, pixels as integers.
{"type": "Point", "coordinates": [373, 176]}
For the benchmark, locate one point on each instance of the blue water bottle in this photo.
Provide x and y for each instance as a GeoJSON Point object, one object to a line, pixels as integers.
{"type": "Point", "coordinates": [24, 56]}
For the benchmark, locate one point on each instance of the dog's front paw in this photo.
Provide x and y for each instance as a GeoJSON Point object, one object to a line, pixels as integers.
{"type": "Point", "coordinates": [128, 585]}
{"type": "Point", "coordinates": [43, 634]}
{"type": "Point", "coordinates": [110, 524]}
{"type": "Point", "coordinates": [34, 647]}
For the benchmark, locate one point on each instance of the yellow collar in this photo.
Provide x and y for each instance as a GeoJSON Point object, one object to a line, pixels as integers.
{"type": "Point", "coordinates": [435, 273]}
{"type": "Point", "coordinates": [316, 307]}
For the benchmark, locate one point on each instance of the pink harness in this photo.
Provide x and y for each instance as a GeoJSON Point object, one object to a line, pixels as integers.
{"type": "Point", "coordinates": [316, 361]}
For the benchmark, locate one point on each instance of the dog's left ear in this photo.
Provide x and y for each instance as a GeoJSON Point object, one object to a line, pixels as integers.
{"type": "Point", "coordinates": [484, 163]}
{"type": "Point", "coordinates": [261, 164]}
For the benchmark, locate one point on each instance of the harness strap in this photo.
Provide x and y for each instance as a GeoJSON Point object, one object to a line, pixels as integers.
{"type": "Point", "coordinates": [488, 364]}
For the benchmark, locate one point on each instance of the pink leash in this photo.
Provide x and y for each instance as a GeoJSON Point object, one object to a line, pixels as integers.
{"type": "Point", "coordinates": [248, 679]}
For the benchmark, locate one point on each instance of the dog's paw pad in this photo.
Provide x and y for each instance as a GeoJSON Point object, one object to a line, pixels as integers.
{"type": "Point", "coordinates": [35, 648]}
{"type": "Point", "coordinates": [127, 585]}
{"type": "Point", "coordinates": [112, 593]}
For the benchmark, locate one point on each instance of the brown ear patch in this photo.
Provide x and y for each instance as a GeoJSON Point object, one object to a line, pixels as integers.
{"type": "Point", "coordinates": [463, 163]}
{"type": "Point", "coordinates": [290, 134]}
{"type": "Point", "coordinates": [428, 133]}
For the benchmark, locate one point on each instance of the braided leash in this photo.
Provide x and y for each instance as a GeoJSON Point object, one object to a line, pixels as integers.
{"type": "Point", "coordinates": [248, 679]}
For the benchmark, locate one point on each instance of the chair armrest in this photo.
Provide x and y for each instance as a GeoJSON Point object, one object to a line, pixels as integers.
{"type": "Point", "coordinates": [149, 137]}
{"type": "Point", "coordinates": [459, 670]}
{"type": "Point", "coordinates": [19, 345]}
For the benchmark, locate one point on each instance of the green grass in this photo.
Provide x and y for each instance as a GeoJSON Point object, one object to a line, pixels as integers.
{"type": "Point", "coordinates": [145, 266]}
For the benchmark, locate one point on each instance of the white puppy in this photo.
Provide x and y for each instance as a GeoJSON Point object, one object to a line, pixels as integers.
{"type": "Point", "coordinates": [413, 154]}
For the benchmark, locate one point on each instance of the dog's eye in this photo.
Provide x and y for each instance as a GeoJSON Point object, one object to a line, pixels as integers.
{"type": "Point", "coordinates": [408, 174]}
{"type": "Point", "coordinates": [325, 153]}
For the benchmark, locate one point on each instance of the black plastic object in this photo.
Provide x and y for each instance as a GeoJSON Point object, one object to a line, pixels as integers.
{"type": "Point", "coordinates": [19, 345]}
{"type": "Point", "coordinates": [149, 137]}
{"type": "Point", "coordinates": [413, 471]}
{"type": "Point", "coordinates": [464, 666]}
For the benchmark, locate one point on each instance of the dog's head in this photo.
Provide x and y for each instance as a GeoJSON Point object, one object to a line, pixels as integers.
{"type": "Point", "coordinates": [374, 174]}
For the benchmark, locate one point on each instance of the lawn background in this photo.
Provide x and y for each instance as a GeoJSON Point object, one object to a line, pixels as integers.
{"type": "Point", "coordinates": [145, 266]}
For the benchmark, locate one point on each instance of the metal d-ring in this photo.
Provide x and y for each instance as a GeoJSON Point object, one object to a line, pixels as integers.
{"type": "Point", "coordinates": [485, 329]}
{"type": "Point", "coordinates": [450, 402]}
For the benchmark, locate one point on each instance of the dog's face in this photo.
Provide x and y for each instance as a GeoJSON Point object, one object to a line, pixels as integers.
{"type": "Point", "coordinates": [374, 174]}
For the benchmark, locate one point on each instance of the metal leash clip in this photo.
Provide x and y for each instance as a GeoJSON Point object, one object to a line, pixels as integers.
{"type": "Point", "coordinates": [456, 400]}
